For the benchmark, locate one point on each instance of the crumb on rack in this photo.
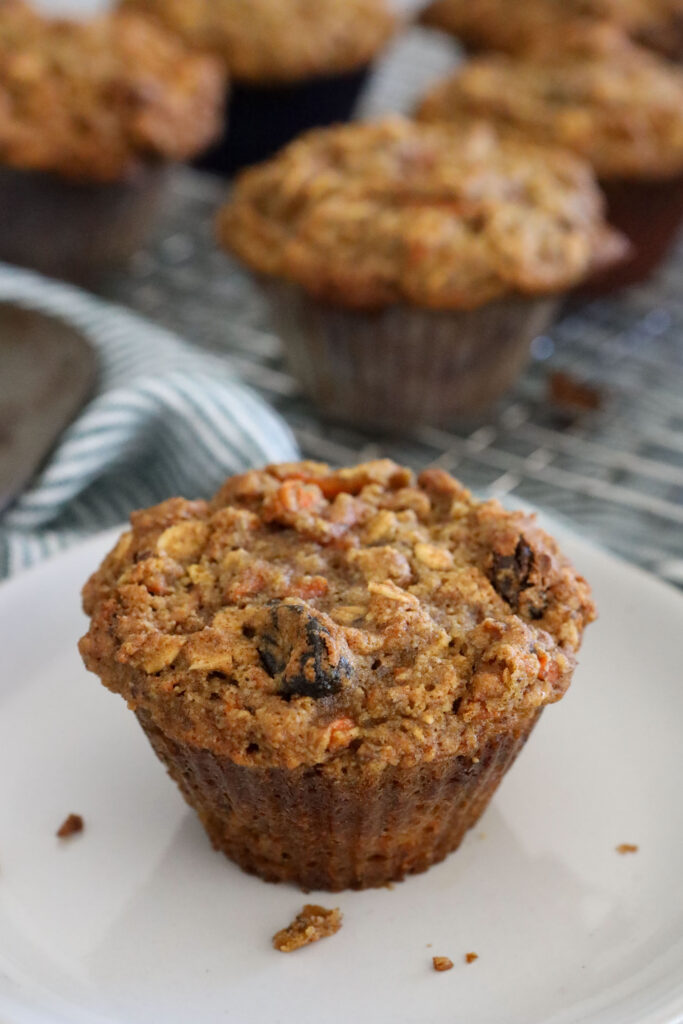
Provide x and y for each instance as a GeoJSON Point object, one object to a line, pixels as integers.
{"type": "Point", "coordinates": [442, 963]}
{"type": "Point", "coordinates": [70, 826]}
{"type": "Point", "coordinates": [627, 848]}
{"type": "Point", "coordinates": [311, 924]}
{"type": "Point", "coordinates": [471, 957]}
{"type": "Point", "coordinates": [571, 393]}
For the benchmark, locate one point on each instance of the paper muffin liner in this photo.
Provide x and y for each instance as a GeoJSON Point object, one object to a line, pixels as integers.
{"type": "Point", "coordinates": [77, 230]}
{"type": "Point", "coordinates": [650, 214]}
{"type": "Point", "coordinates": [325, 828]}
{"type": "Point", "coordinates": [261, 119]}
{"type": "Point", "coordinates": [404, 367]}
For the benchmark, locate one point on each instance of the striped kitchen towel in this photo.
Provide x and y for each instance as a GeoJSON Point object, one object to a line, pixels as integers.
{"type": "Point", "coordinates": [165, 420]}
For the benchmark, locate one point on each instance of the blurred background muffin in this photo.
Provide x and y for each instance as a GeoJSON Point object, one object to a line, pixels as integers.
{"type": "Point", "coordinates": [614, 103]}
{"type": "Point", "coordinates": [91, 115]}
{"type": "Point", "coordinates": [293, 65]}
{"type": "Point", "coordinates": [513, 26]}
{"type": "Point", "coordinates": [409, 266]}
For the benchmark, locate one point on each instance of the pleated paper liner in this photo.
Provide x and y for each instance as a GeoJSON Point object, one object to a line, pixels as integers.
{"type": "Point", "coordinates": [333, 827]}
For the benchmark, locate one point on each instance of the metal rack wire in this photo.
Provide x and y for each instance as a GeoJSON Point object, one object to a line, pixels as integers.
{"type": "Point", "coordinates": [616, 471]}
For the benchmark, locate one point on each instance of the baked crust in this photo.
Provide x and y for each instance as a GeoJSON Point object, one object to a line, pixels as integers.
{"type": "Point", "coordinates": [613, 103]}
{"type": "Point", "coordinates": [514, 26]}
{"type": "Point", "coordinates": [266, 41]}
{"type": "Point", "coordinates": [306, 617]}
{"type": "Point", "coordinates": [92, 100]}
{"type": "Point", "coordinates": [446, 217]}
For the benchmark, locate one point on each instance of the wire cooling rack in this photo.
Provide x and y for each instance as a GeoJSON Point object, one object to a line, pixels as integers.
{"type": "Point", "coordinates": [616, 471]}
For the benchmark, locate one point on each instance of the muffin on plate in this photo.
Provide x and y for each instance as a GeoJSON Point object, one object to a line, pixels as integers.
{"type": "Point", "coordinates": [409, 266]}
{"type": "Point", "coordinates": [613, 103]}
{"type": "Point", "coordinates": [293, 65]}
{"type": "Point", "coordinates": [514, 26]}
{"type": "Point", "coordinates": [91, 116]}
{"type": "Point", "coordinates": [336, 667]}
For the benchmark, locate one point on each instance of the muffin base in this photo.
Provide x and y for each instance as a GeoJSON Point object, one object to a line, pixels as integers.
{"type": "Point", "coordinates": [322, 828]}
{"type": "Point", "coordinates": [650, 214]}
{"type": "Point", "coordinates": [75, 230]}
{"type": "Point", "coordinates": [261, 120]}
{"type": "Point", "coordinates": [404, 367]}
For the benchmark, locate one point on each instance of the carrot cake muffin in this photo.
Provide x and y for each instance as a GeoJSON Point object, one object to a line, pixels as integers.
{"type": "Point", "coordinates": [513, 26]}
{"type": "Point", "coordinates": [615, 104]}
{"type": "Point", "coordinates": [294, 65]}
{"type": "Point", "coordinates": [410, 265]}
{"type": "Point", "coordinates": [271, 41]}
{"type": "Point", "coordinates": [336, 667]}
{"type": "Point", "coordinates": [90, 115]}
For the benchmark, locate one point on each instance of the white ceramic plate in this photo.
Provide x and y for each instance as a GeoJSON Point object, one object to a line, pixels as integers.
{"type": "Point", "coordinates": [137, 920]}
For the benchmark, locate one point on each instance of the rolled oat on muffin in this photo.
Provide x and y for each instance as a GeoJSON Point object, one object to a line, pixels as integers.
{"type": "Point", "coordinates": [294, 65]}
{"type": "Point", "coordinates": [411, 265]}
{"type": "Point", "coordinates": [91, 115]}
{"type": "Point", "coordinates": [336, 667]}
{"type": "Point", "coordinates": [613, 103]}
{"type": "Point", "coordinates": [514, 26]}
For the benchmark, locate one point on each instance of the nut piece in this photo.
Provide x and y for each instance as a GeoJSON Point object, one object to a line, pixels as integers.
{"type": "Point", "coordinates": [70, 826]}
{"type": "Point", "coordinates": [442, 963]}
{"type": "Point", "coordinates": [310, 925]}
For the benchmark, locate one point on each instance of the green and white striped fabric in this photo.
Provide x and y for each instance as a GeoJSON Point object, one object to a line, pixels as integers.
{"type": "Point", "coordinates": [166, 419]}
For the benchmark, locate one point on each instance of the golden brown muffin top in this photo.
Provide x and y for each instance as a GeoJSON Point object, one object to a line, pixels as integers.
{"type": "Point", "coordinates": [306, 615]}
{"type": "Point", "coordinates": [278, 41]}
{"type": "Point", "coordinates": [368, 215]}
{"type": "Point", "coordinates": [514, 25]}
{"type": "Point", "coordinates": [91, 100]}
{"type": "Point", "coordinates": [612, 102]}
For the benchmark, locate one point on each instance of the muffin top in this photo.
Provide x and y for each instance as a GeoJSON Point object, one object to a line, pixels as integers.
{"type": "Point", "coordinates": [612, 102]}
{"type": "Point", "coordinates": [271, 41]}
{"type": "Point", "coordinates": [446, 217]}
{"type": "Point", "coordinates": [92, 100]}
{"type": "Point", "coordinates": [306, 616]}
{"type": "Point", "coordinates": [513, 26]}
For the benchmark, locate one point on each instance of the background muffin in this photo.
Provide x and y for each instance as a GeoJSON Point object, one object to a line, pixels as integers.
{"type": "Point", "coordinates": [615, 104]}
{"type": "Point", "coordinates": [91, 114]}
{"type": "Point", "coordinates": [513, 27]}
{"type": "Point", "coordinates": [336, 667]}
{"type": "Point", "coordinates": [294, 65]}
{"type": "Point", "coordinates": [410, 265]}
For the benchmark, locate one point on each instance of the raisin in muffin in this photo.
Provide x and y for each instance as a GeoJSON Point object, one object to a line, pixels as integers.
{"type": "Point", "coordinates": [513, 27]}
{"type": "Point", "coordinates": [410, 265]}
{"type": "Point", "coordinates": [294, 65]}
{"type": "Point", "coordinates": [91, 115]}
{"type": "Point", "coordinates": [614, 103]}
{"type": "Point", "coordinates": [336, 667]}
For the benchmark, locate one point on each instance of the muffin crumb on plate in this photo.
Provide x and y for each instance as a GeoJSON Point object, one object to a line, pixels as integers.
{"type": "Point", "coordinates": [71, 825]}
{"type": "Point", "coordinates": [310, 925]}
{"type": "Point", "coordinates": [442, 963]}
